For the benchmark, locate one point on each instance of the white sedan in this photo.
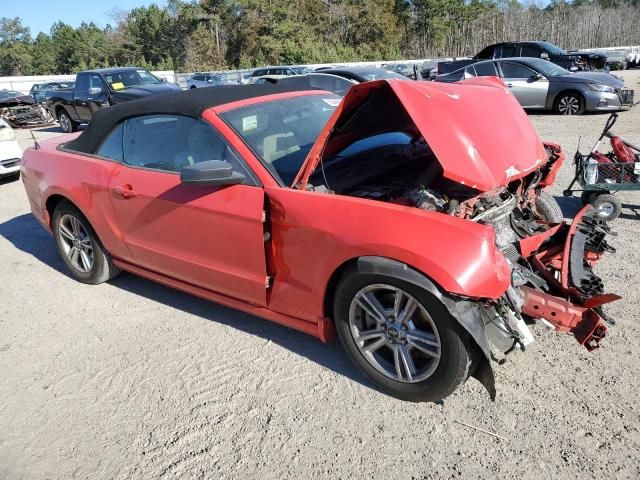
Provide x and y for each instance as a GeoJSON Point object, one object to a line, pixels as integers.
{"type": "Point", "coordinates": [10, 151]}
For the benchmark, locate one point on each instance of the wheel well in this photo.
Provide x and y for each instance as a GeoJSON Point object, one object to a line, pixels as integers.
{"type": "Point", "coordinates": [332, 285]}
{"type": "Point", "coordinates": [59, 110]}
{"type": "Point", "coordinates": [52, 202]}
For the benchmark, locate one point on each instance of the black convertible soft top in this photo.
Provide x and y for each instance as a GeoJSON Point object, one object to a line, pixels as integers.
{"type": "Point", "coordinates": [191, 103]}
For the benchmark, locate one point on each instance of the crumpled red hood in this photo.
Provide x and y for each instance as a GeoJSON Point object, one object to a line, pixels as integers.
{"type": "Point", "coordinates": [476, 129]}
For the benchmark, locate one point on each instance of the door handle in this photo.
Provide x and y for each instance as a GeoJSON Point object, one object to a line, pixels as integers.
{"type": "Point", "coordinates": [509, 85]}
{"type": "Point", "coordinates": [125, 191]}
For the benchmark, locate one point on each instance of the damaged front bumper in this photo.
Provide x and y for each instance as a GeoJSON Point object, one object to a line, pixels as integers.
{"type": "Point", "coordinates": [572, 296]}
{"type": "Point", "coordinates": [553, 283]}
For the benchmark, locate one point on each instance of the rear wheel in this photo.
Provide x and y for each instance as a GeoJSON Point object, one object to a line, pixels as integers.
{"type": "Point", "coordinates": [193, 87]}
{"type": "Point", "coordinates": [570, 103]}
{"type": "Point", "coordinates": [67, 125]}
{"type": "Point", "coordinates": [608, 207]}
{"type": "Point", "coordinates": [78, 245]}
{"type": "Point", "coordinates": [401, 337]}
{"type": "Point", "coordinates": [548, 208]}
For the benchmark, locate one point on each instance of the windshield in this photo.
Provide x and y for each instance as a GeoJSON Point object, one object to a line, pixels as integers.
{"type": "Point", "coordinates": [10, 94]}
{"type": "Point", "coordinates": [281, 133]}
{"type": "Point", "coordinates": [130, 78]}
{"type": "Point", "coordinates": [381, 75]}
{"type": "Point", "coordinates": [553, 49]}
{"type": "Point", "coordinates": [548, 69]}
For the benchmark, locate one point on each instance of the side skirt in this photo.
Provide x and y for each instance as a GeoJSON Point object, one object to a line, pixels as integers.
{"type": "Point", "coordinates": [322, 330]}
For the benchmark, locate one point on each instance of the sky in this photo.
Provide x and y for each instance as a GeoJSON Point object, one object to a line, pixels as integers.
{"type": "Point", "coordinates": [40, 15]}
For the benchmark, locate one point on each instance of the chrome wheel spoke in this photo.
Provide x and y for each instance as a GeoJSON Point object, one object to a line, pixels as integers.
{"type": "Point", "coordinates": [75, 226]}
{"type": "Point", "coordinates": [407, 362]}
{"type": "Point", "coordinates": [373, 346]}
{"type": "Point", "coordinates": [73, 255]}
{"type": "Point", "coordinates": [371, 305]}
{"type": "Point", "coordinates": [369, 335]}
{"type": "Point", "coordinates": [64, 231]}
{"type": "Point", "coordinates": [409, 309]}
{"type": "Point", "coordinates": [85, 260]}
{"type": "Point", "coordinates": [424, 342]}
{"type": "Point", "coordinates": [396, 363]}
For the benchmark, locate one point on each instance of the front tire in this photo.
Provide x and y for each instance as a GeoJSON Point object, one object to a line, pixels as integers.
{"type": "Point", "coordinates": [79, 247]}
{"type": "Point", "coordinates": [570, 103]}
{"type": "Point", "coordinates": [401, 337]}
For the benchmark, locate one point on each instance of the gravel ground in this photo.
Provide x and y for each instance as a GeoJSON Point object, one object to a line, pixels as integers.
{"type": "Point", "coordinates": [134, 380]}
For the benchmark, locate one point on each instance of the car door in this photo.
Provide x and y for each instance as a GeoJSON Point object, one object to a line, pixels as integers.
{"type": "Point", "coordinates": [211, 237]}
{"type": "Point", "coordinates": [90, 95]}
{"type": "Point", "coordinates": [507, 50]}
{"type": "Point", "coordinates": [528, 86]}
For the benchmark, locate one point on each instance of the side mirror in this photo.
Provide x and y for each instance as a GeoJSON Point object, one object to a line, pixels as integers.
{"type": "Point", "coordinates": [573, 69]}
{"type": "Point", "coordinates": [216, 173]}
{"type": "Point", "coordinates": [163, 80]}
{"type": "Point", "coordinates": [537, 76]}
{"type": "Point", "coordinates": [95, 90]}
{"type": "Point", "coordinates": [544, 56]}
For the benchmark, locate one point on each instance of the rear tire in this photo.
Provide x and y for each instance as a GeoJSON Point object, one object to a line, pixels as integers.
{"type": "Point", "coordinates": [79, 247]}
{"type": "Point", "coordinates": [436, 374]}
{"type": "Point", "coordinates": [607, 207]}
{"type": "Point", "coordinates": [66, 124]}
{"type": "Point", "coordinates": [570, 103]}
{"type": "Point", "coordinates": [548, 208]}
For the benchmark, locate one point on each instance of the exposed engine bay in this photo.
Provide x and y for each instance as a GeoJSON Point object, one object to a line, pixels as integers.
{"type": "Point", "coordinates": [24, 112]}
{"type": "Point", "coordinates": [551, 261]}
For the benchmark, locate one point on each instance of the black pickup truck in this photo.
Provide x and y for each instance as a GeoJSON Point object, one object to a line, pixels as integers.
{"type": "Point", "coordinates": [572, 61]}
{"type": "Point", "coordinates": [99, 88]}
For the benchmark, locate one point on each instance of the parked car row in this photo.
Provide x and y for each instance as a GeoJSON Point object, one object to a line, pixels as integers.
{"type": "Point", "coordinates": [541, 75]}
{"type": "Point", "coordinates": [541, 85]}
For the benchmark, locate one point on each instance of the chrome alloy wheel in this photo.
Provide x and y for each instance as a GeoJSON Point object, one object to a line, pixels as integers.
{"type": "Point", "coordinates": [76, 243]}
{"type": "Point", "coordinates": [394, 333]}
{"type": "Point", "coordinates": [569, 105]}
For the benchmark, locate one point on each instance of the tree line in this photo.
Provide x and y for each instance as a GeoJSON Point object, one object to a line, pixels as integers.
{"type": "Point", "coordinates": [220, 34]}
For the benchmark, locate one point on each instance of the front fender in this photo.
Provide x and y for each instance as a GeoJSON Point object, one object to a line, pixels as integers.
{"type": "Point", "coordinates": [313, 234]}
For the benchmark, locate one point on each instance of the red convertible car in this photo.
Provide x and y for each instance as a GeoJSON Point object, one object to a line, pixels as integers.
{"type": "Point", "coordinates": [410, 218]}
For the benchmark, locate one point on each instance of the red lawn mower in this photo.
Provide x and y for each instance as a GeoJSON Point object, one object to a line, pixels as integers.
{"type": "Point", "coordinates": [601, 175]}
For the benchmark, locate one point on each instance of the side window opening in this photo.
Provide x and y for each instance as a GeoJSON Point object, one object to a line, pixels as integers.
{"type": "Point", "coordinates": [168, 143]}
{"type": "Point", "coordinates": [486, 70]}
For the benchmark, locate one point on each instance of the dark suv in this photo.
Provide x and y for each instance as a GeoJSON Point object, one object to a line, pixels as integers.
{"type": "Point", "coordinates": [547, 51]}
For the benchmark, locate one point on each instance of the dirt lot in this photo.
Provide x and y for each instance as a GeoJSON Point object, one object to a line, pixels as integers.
{"type": "Point", "coordinates": [134, 380]}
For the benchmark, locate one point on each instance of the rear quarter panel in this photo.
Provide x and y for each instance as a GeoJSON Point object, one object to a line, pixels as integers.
{"type": "Point", "coordinates": [313, 234]}
{"type": "Point", "coordinates": [83, 180]}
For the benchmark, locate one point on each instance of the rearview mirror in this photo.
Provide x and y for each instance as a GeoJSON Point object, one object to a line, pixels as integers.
{"type": "Point", "coordinates": [211, 173]}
